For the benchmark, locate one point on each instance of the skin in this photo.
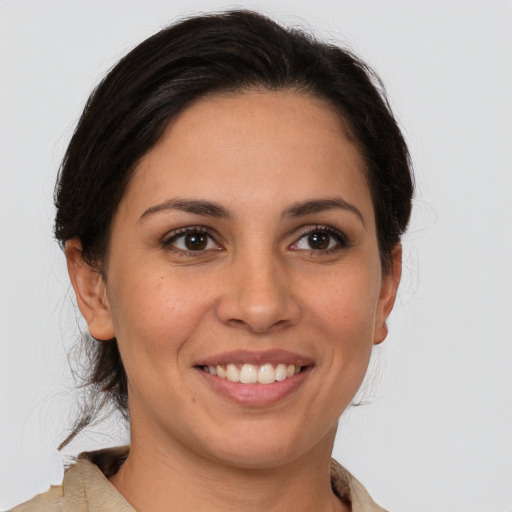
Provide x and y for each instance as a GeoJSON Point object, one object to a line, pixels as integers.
{"type": "Point", "coordinates": [257, 285]}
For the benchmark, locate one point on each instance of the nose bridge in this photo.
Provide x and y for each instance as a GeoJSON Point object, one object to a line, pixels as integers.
{"type": "Point", "coordinates": [259, 295]}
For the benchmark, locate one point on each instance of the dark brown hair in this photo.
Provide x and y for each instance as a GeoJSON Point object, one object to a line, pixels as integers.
{"type": "Point", "coordinates": [233, 51]}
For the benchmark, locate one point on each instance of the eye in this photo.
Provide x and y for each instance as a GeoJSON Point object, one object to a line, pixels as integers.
{"type": "Point", "coordinates": [191, 239]}
{"type": "Point", "coordinates": [320, 239]}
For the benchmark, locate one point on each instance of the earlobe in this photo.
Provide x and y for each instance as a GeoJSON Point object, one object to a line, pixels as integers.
{"type": "Point", "coordinates": [90, 292]}
{"type": "Point", "coordinates": [388, 292]}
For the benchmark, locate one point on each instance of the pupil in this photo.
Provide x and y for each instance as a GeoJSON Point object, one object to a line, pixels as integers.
{"type": "Point", "coordinates": [318, 240]}
{"type": "Point", "coordinates": [195, 241]}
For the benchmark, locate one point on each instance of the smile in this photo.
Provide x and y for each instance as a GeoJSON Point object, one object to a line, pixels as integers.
{"type": "Point", "coordinates": [247, 373]}
{"type": "Point", "coordinates": [255, 378]}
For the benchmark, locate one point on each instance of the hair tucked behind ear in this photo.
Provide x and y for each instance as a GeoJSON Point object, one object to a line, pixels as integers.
{"type": "Point", "coordinates": [233, 51]}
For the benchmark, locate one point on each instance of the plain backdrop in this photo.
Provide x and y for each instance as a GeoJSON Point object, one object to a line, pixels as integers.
{"type": "Point", "coordinates": [437, 433]}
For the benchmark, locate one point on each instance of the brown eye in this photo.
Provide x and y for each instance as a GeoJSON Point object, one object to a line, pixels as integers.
{"type": "Point", "coordinates": [191, 240]}
{"type": "Point", "coordinates": [196, 241]}
{"type": "Point", "coordinates": [319, 240]}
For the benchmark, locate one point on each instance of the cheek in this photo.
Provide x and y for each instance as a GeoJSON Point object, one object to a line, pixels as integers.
{"type": "Point", "coordinates": [345, 315]}
{"type": "Point", "coordinates": [153, 318]}
{"type": "Point", "coordinates": [348, 302]}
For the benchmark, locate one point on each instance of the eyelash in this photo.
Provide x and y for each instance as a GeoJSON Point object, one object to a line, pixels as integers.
{"type": "Point", "coordinates": [338, 236]}
{"type": "Point", "coordinates": [167, 243]}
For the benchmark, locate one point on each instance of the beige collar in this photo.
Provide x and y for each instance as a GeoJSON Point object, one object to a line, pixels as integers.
{"type": "Point", "coordinates": [86, 487]}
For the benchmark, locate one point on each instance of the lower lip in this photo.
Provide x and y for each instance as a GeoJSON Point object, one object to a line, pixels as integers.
{"type": "Point", "coordinates": [256, 394]}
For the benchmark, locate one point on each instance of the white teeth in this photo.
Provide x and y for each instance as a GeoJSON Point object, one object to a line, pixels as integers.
{"type": "Point", "coordinates": [280, 372]}
{"type": "Point", "coordinates": [252, 374]}
{"type": "Point", "coordinates": [221, 372]}
{"type": "Point", "coordinates": [266, 374]}
{"type": "Point", "coordinates": [232, 373]}
{"type": "Point", "coordinates": [248, 374]}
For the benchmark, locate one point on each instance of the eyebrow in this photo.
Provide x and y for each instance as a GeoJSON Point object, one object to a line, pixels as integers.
{"type": "Point", "coordinates": [304, 208]}
{"type": "Point", "coordinates": [197, 206]}
{"type": "Point", "coordinates": [212, 209]}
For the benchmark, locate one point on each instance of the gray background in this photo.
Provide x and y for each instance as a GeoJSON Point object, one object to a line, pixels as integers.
{"type": "Point", "coordinates": [437, 434]}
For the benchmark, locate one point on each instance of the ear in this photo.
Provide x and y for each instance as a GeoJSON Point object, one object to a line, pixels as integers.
{"type": "Point", "coordinates": [388, 291]}
{"type": "Point", "coordinates": [90, 291]}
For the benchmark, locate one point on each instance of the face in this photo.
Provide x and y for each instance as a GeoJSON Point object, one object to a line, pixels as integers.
{"type": "Point", "coordinates": [243, 281]}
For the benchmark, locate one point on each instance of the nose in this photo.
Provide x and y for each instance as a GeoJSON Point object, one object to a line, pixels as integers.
{"type": "Point", "coordinates": [259, 296]}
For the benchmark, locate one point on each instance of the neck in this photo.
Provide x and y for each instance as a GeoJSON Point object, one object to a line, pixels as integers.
{"type": "Point", "coordinates": [156, 475]}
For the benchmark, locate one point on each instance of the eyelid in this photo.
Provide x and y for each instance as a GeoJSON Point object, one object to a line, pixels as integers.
{"type": "Point", "coordinates": [173, 235]}
{"type": "Point", "coordinates": [340, 237]}
{"type": "Point", "coordinates": [337, 234]}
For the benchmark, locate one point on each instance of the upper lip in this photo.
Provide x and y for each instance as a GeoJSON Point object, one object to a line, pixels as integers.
{"type": "Point", "coordinates": [275, 357]}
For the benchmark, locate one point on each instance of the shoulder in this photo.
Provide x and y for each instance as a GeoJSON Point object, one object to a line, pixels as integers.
{"type": "Point", "coordinates": [350, 490]}
{"type": "Point", "coordinates": [51, 501]}
{"type": "Point", "coordinates": [68, 496]}
{"type": "Point", "coordinates": [85, 488]}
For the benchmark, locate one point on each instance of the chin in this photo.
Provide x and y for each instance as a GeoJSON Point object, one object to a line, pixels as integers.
{"type": "Point", "coordinates": [269, 447]}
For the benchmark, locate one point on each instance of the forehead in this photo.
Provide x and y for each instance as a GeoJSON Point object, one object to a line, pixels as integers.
{"type": "Point", "coordinates": [271, 146]}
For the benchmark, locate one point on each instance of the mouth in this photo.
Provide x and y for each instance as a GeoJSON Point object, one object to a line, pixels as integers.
{"type": "Point", "coordinates": [255, 378]}
{"type": "Point", "coordinates": [247, 373]}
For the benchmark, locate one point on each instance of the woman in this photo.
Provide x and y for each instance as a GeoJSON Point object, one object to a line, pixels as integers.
{"type": "Point", "coordinates": [231, 206]}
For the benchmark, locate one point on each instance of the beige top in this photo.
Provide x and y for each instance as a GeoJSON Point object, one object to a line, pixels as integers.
{"type": "Point", "coordinates": [85, 487]}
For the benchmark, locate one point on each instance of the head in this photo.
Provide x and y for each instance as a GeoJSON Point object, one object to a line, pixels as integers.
{"type": "Point", "coordinates": [204, 66]}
